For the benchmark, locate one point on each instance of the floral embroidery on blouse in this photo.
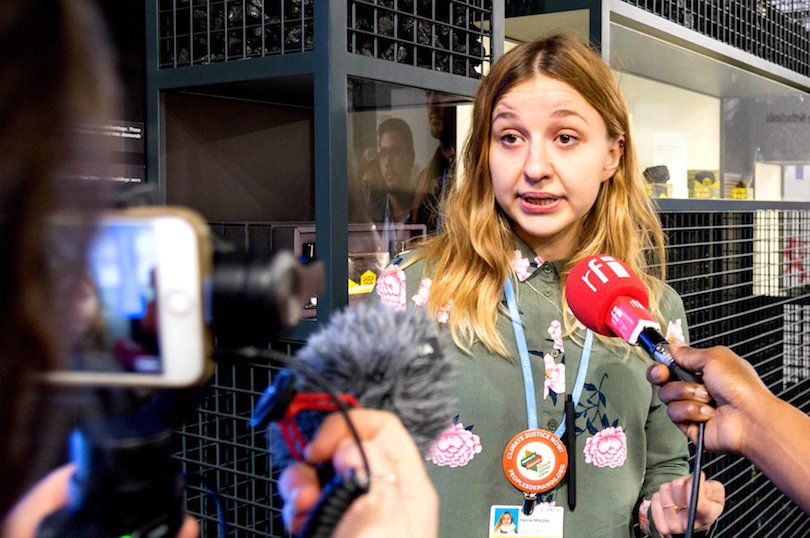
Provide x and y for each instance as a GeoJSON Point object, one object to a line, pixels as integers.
{"type": "Point", "coordinates": [643, 516]}
{"type": "Point", "coordinates": [555, 331]}
{"type": "Point", "coordinates": [555, 376]}
{"type": "Point", "coordinates": [456, 446]}
{"type": "Point", "coordinates": [420, 299]}
{"type": "Point", "coordinates": [675, 331]}
{"type": "Point", "coordinates": [391, 287]}
{"type": "Point", "coordinates": [520, 265]}
{"type": "Point", "coordinates": [608, 448]}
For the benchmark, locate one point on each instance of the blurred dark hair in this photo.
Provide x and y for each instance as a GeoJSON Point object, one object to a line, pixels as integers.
{"type": "Point", "coordinates": [55, 74]}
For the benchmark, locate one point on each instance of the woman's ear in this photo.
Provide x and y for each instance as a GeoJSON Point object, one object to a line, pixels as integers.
{"type": "Point", "coordinates": [614, 157]}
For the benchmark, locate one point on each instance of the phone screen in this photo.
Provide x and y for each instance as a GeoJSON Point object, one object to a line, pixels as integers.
{"type": "Point", "coordinates": [112, 314]}
{"type": "Point", "coordinates": [123, 262]}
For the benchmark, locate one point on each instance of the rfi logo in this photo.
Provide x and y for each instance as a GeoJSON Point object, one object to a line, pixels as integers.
{"type": "Point", "coordinates": [595, 268]}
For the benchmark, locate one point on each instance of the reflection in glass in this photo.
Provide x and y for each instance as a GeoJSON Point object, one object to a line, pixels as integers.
{"type": "Point", "coordinates": [402, 154]}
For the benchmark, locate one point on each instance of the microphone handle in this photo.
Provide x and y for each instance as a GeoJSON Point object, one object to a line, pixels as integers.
{"type": "Point", "coordinates": [658, 349]}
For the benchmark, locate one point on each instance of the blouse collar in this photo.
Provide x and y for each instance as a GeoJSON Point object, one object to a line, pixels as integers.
{"type": "Point", "coordinates": [525, 262]}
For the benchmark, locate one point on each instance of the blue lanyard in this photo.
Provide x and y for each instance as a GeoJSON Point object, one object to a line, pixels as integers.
{"type": "Point", "coordinates": [526, 367]}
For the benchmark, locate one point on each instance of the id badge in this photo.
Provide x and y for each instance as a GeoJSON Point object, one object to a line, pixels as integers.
{"type": "Point", "coordinates": [546, 521]}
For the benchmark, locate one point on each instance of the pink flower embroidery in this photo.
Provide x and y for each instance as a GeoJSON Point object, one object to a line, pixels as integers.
{"type": "Point", "coordinates": [455, 447]}
{"type": "Point", "coordinates": [608, 448]}
{"type": "Point", "coordinates": [555, 331]}
{"type": "Point", "coordinates": [540, 261]}
{"type": "Point", "coordinates": [675, 331]}
{"type": "Point", "coordinates": [391, 287]}
{"type": "Point", "coordinates": [420, 299]}
{"type": "Point", "coordinates": [643, 516]}
{"type": "Point", "coordinates": [555, 376]}
{"type": "Point", "coordinates": [520, 265]}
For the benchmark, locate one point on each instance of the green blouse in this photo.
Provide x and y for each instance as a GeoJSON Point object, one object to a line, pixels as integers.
{"type": "Point", "coordinates": [626, 446]}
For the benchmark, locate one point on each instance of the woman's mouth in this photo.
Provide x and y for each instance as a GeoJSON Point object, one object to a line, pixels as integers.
{"type": "Point", "coordinates": [539, 202]}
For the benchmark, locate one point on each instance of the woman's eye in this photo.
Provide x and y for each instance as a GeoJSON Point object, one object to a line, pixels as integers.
{"type": "Point", "coordinates": [566, 139]}
{"type": "Point", "coordinates": [509, 139]}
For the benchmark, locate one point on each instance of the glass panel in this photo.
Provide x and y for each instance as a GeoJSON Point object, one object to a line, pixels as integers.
{"type": "Point", "coordinates": [402, 145]}
{"type": "Point", "coordinates": [707, 129]}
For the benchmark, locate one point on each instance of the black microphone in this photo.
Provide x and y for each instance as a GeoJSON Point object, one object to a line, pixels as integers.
{"type": "Point", "coordinates": [374, 356]}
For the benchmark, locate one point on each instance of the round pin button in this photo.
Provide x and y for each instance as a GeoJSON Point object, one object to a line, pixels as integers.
{"type": "Point", "coordinates": [535, 461]}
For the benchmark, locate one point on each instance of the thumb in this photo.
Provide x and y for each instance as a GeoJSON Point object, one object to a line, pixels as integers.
{"type": "Point", "coordinates": [691, 358]}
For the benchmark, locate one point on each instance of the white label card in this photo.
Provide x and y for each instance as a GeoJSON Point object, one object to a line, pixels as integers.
{"type": "Point", "coordinates": [546, 521]}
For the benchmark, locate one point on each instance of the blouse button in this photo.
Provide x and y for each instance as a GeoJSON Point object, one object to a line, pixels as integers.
{"type": "Point", "coordinates": [547, 293]}
{"type": "Point", "coordinates": [546, 268]}
{"type": "Point", "coordinates": [552, 424]}
{"type": "Point", "coordinates": [555, 353]}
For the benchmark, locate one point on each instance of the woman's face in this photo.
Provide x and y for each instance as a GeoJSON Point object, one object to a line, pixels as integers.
{"type": "Point", "coordinates": [507, 518]}
{"type": "Point", "coordinates": [548, 156]}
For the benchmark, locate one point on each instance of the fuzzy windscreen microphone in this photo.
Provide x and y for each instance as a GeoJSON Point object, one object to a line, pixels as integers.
{"type": "Point", "coordinates": [385, 359]}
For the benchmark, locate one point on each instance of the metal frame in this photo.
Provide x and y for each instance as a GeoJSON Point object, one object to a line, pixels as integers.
{"type": "Point", "coordinates": [330, 64]}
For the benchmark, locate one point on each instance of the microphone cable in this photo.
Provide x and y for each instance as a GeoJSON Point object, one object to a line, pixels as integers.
{"type": "Point", "coordinates": [696, 472]}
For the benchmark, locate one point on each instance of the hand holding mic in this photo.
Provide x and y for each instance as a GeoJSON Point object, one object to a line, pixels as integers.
{"type": "Point", "coordinates": [611, 300]}
{"type": "Point", "coordinates": [608, 298]}
{"type": "Point", "coordinates": [373, 356]}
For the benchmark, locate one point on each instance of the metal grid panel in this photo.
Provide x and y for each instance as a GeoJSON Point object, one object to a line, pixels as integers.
{"type": "Point", "coordinates": [443, 35]}
{"type": "Point", "coordinates": [775, 30]}
{"type": "Point", "coordinates": [231, 485]}
{"type": "Point", "coordinates": [192, 32]}
{"type": "Point", "coordinates": [743, 277]}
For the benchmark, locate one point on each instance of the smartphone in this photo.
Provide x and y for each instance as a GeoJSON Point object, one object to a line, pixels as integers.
{"type": "Point", "coordinates": [133, 315]}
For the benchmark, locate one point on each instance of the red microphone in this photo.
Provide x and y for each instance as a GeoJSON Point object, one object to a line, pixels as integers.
{"type": "Point", "coordinates": [610, 299]}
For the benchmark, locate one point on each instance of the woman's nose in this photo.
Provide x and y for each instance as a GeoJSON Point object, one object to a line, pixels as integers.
{"type": "Point", "coordinates": [537, 166]}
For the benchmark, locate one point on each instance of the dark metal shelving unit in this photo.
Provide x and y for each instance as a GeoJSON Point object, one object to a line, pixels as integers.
{"type": "Point", "coordinates": [296, 53]}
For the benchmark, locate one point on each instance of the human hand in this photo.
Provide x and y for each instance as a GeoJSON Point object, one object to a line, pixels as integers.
{"type": "Point", "coordinates": [730, 381]}
{"type": "Point", "coordinates": [401, 500]}
{"type": "Point", "coordinates": [669, 506]}
{"type": "Point", "coordinates": [51, 494]}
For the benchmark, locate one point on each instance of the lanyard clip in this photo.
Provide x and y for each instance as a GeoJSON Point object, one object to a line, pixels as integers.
{"type": "Point", "coordinates": [529, 502]}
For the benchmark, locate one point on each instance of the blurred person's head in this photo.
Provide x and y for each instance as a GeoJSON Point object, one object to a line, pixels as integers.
{"type": "Point", "coordinates": [442, 118]}
{"type": "Point", "coordinates": [54, 75]}
{"type": "Point", "coordinates": [78, 306]}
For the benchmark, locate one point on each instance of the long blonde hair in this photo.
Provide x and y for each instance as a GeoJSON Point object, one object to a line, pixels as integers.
{"type": "Point", "coordinates": [470, 260]}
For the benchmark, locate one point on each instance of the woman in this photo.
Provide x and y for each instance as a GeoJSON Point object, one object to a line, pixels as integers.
{"type": "Point", "coordinates": [550, 178]}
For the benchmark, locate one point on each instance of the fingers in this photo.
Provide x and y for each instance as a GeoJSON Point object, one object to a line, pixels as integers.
{"type": "Point", "coordinates": [300, 490]}
{"type": "Point", "coordinates": [712, 501]}
{"type": "Point", "coordinates": [657, 374]}
{"type": "Point", "coordinates": [47, 496]}
{"type": "Point", "coordinates": [400, 494]}
{"type": "Point", "coordinates": [669, 506]}
{"type": "Point", "coordinates": [369, 423]}
{"type": "Point", "coordinates": [691, 358]}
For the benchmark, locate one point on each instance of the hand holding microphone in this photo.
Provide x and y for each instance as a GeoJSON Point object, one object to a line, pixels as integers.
{"type": "Point", "coordinates": [610, 299]}
{"type": "Point", "coordinates": [372, 356]}
{"type": "Point", "coordinates": [401, 500]}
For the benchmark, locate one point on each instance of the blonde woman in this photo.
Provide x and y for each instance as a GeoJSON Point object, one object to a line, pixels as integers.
{"type": "Point", "coordinates": [550, 178]}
